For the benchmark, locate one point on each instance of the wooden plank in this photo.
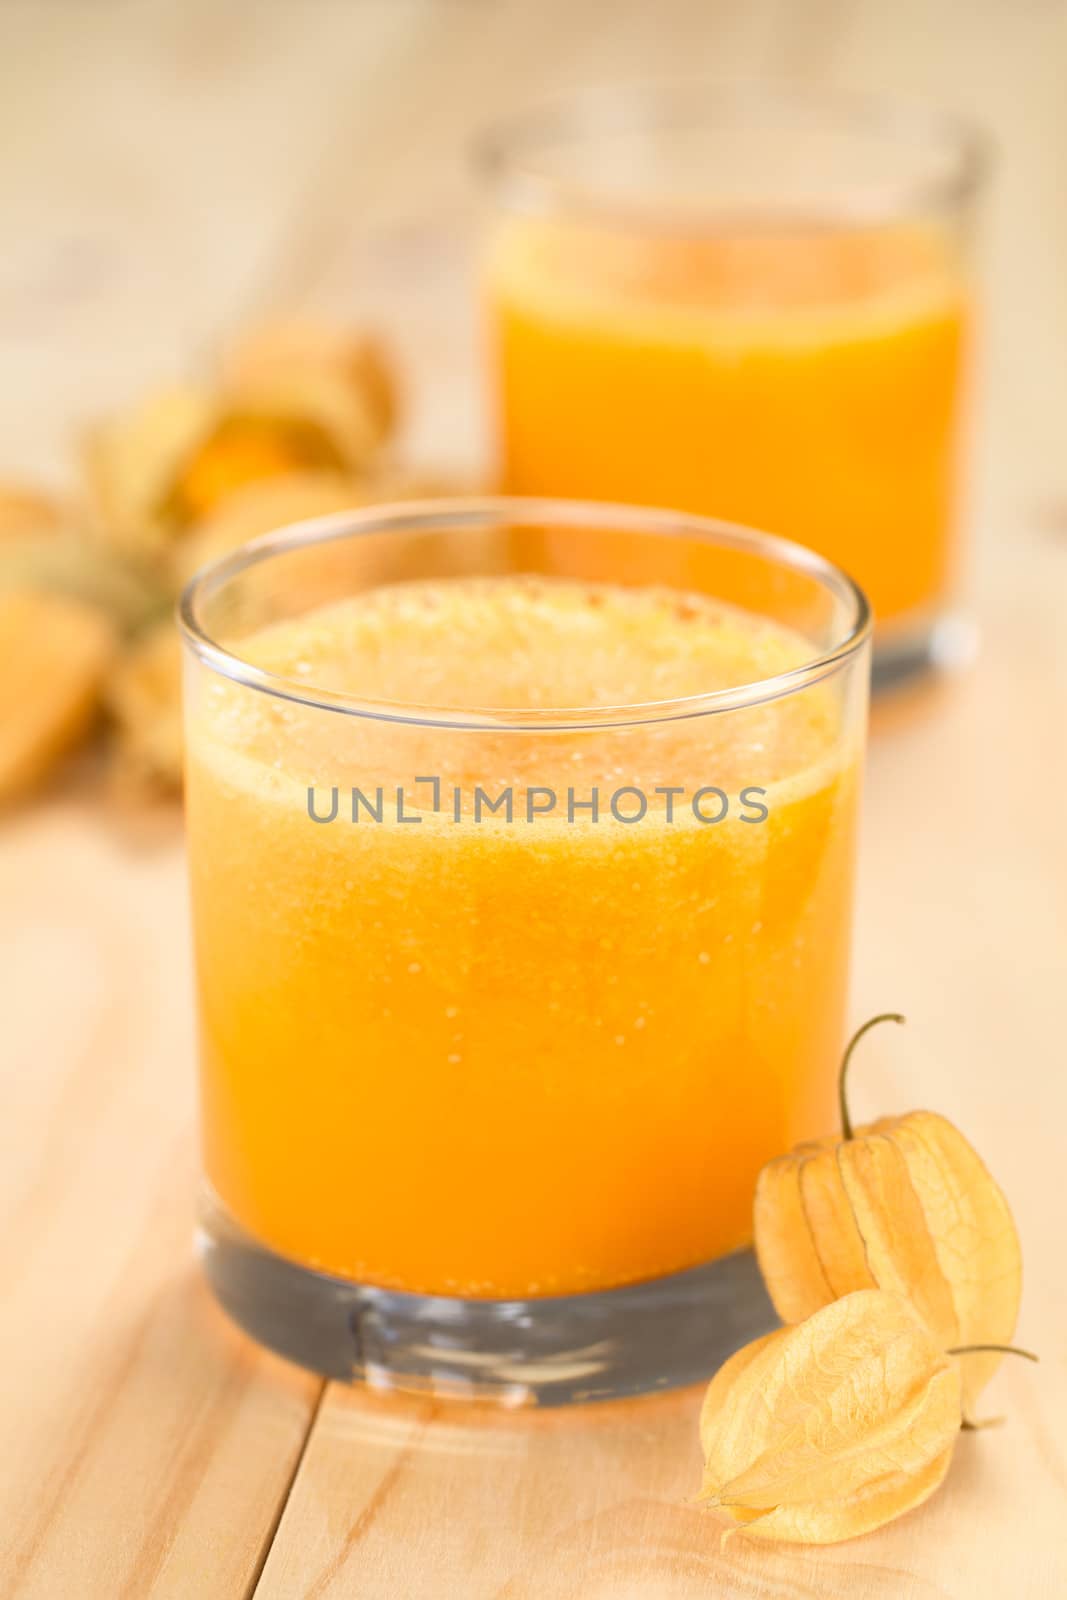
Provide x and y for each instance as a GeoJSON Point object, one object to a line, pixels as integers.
{"type": "Point", "coordinates": [144, 1441]}
{"type": "Point", "coordinates": [426, 1500]}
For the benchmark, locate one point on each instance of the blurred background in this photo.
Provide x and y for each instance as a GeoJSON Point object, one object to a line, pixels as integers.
{"type": "Point", "coordinates": [174, 167]}
{"type": "Point", "coordinates": [178, 173]}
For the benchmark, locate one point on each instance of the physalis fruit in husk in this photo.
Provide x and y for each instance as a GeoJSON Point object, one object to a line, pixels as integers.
{"type": "Point", "coordinates": [143, 693]}
{"type": "Point", "coordinates": [288, 403]}
{"type": "Point", "coordinates": [355, 356]}
{"type": "Point", "coordinates": [903, 1204]}
{"type": "Point", "coordinates": [56, 653]}
{"type": "Point", "coordinates": [829, 1429]}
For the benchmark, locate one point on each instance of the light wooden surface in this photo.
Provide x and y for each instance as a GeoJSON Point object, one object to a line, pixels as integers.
{"type": "Point", "coordinates": [164, 170]}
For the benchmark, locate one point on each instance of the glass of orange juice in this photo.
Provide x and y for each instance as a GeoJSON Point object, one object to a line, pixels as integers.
{"type": "Point", "coordinates": [753, 306]}
{"type": "Point", "coordinates": [521, 896]}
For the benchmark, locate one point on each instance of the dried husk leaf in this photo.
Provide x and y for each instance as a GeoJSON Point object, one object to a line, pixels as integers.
{"type": "Point", "coordinates": [827, 1429]}
{"type": "Point", "coordinates": [305, 422]}
{"type": "Point", "coordinates": [132, 459]}
{"type": "Point", "coordinates": [872, 1507]}
{"type": "Point", "coordinates": [356, 356]}
{"type": "Point", "coordinates": [840, 1244]}
{"type": "Point", "coordinates": [906, 1204]}
{"type": "Point", "coordinates": [788, 1257]}
{"type": "Point", "coordinates": [262, 507]}
{"type": "Point", "coordinates": [143, 694]}
{"type": "Point", "coordinates": [889, 1217]}
{"type": "Point", "coordinates": [74, 563]}
{"type": "Point", "coordinates": [972, 1234]}
{"type": "Point", "coordinates": [56, 652]}
{"type": "Point", "coordinates": [172, 461]}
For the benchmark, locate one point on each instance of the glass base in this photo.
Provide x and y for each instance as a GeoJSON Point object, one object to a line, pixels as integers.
{"type": "Point", "coordinates": [653, 1335]}
{"type": "Point", "coordinates": [944, 643]}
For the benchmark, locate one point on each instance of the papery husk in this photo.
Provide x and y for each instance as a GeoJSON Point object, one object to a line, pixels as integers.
{"type": "Point", "coordinates": [295, 422]}
{"type": "Point", "coordinates": [56, 652]}
{"type": "Point", "coordinates": [356, 356]}
{"type": "Point", "coordinates": [825, 1430]}
{"type": "Point", "coordinates": [74, 563]}
{"type": "Point", "coordinates": [160, 469]}
{"type": "Point", "coordinates": [132, 459]}
{"type": "Point", "coordinates": [143, 693]}
{"type": "Point", "coordinates": [973, 1239]}
{"type": "Point", "coordinates": [264, 507]}
{"type": "Point", "coordinates": [904, 1204]}
{"type": "Point", "coordinates": [819, 1523]}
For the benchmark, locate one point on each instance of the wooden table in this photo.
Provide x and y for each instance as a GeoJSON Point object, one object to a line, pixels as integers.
{"type": "Point", "coordinates": [166, 169]}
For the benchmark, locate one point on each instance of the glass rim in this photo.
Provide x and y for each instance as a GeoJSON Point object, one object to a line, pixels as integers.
{"type": "Point", "coordinates": [505, 151]}
{"type": "Point", "coordinates": [487, 511]}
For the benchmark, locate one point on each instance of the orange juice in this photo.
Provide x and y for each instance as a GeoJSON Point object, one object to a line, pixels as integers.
{"type": "Point", "coordinates": [462, 1053]}
{"type": "Point", "coordinates": [804, 382]}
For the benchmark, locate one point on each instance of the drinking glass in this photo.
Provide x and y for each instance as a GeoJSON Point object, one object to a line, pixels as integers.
{"type": "Point", "coordinates": [753, 305]}
{"type": "Point", "coordinates": [510, 980]}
